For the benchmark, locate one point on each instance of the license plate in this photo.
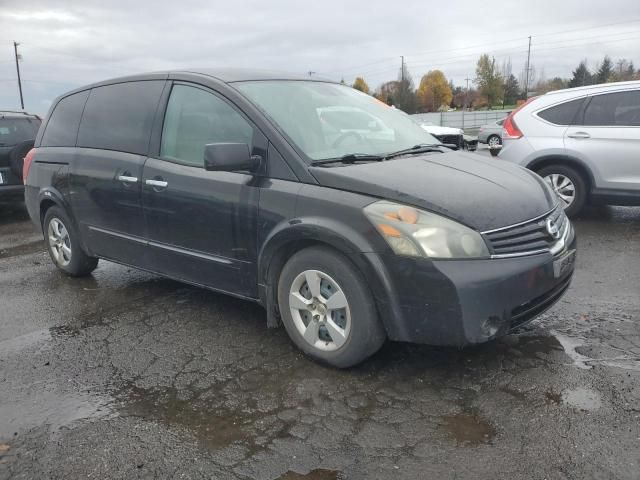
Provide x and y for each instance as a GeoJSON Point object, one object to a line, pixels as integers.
{"type": "Point", "coordinates": [1, 179]}
{"type": "Point", "coordinates": [564, 263]}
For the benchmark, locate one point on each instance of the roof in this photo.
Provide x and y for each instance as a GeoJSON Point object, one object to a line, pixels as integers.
{"type": "Point", "coordinates": [598, 87]}
{"type": "Point", "coordinates": [229, 75]}
{"type": "Point", "coordinates": [16, 114]}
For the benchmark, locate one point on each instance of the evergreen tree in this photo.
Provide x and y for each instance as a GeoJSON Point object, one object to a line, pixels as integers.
{"type": "Point", "coordinates": [581, 76]}
{"type": "Point", "coordinates": [605, 72]}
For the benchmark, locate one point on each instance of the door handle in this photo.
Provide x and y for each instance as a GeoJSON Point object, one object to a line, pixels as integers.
{"type": "Point", "coordinates": [126, 178]}
{"type": "Point", "coordinates": [156, 183]}
{"type": "Point", "coordinates": [579, 135]}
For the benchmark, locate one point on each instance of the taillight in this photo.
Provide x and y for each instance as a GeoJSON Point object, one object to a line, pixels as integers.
{"type": "Point", "coordinates": [28, 160]}
{"type": "Point", "coordinates": [510, 129]}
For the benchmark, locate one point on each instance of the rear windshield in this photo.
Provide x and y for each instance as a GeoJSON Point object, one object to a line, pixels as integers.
{"type": "Point", "coordinates": [15, 130]}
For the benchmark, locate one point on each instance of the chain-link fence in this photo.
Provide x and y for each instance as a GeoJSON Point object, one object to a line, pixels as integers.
{"type": "Point", "coordinates": [460, 119]}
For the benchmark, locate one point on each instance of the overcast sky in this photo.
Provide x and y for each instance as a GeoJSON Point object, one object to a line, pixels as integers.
{"type": "Point", "coordinates": [65, 44]}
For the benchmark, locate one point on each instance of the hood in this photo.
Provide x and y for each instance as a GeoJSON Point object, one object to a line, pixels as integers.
{"type": "Point", "coordinates": [438, 130]}
{"type": "Point", "coordinates": [482, 194]}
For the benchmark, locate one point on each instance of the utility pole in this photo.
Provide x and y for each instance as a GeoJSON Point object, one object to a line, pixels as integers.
{"type": "Point", "coordinates": [15, 50]}
{"type": "Point", "coordinates": [526, 83]}
{"type": "Point", "coordinates": [311, 72]}
{"type": "Point", "coordinates": [402, 69]}
{"type": "Point", "coordinates": [466, 99]}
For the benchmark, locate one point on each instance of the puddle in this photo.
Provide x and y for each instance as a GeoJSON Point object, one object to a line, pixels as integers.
{"type": "Point", "coordinates": [216, 428]}
{"type": "Point", "coordinates": [50, 408]}
{"type": "Point", "coordinates": [31, 247]}
{"type": "Point", "coordinates": [552, 397]}
{"type": "Point", "coordinates": [319, 474]}
{"type": "Point", "coordinates": [532, 346]}
{"type": "Point", "coordinates": [569, 345]}
{"type": "Point", "coordinates": [582, 398]}
{"type": "Point", "coordinates": [468, 429]}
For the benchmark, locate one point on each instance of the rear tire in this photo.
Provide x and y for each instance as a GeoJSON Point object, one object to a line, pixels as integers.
{"type": "Point", "coordinates": [16, 157]}
{"type": "Point", "coordinates": [494, 141]}
{"type": "Point", "coordinates": [334, 301]}
{"type": "Point", "coordinates": [63, 244]}
{"type": "Point", "coordinates": [554, 175]}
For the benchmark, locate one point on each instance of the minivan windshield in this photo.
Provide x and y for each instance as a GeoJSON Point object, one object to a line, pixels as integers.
{"type": "Point", "coordinates": [327, 120]}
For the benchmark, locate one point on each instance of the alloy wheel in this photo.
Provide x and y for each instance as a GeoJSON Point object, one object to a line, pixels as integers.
{"type": "Point", "coordinates": [563, 188]}
{"type": "Point", "coordinates": [59, 242]}
{"type": "Point", "coordinates": [320, 310]}
{"type": "Point", "coordinates": [494, 142]}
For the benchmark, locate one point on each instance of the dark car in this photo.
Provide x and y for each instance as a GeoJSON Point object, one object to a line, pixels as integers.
{"type": "Point", "coordinates": [17, 132]}
{"type": "Point", "coordinates": [230, 180]}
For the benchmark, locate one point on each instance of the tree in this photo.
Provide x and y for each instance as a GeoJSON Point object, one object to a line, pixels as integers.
{"type": "Point", "coordinates": [605, 72]}
{"type": "Point", "coordinates": [434, 91]}
{"type": "Point", "coordinates": [511, 90]}
{"type": "Point", "coordinates": [405, 95]}
{"type": "Point", "coordinates": [555, 83]}
{"type": "Point", "coordinates": [386, 92]}
{"type": "Point", "coordinates": [360, 84]}
{"type": "Point", "coordinates": [488, 79]}
{"type": "Point", "coordinates": [581, 76]}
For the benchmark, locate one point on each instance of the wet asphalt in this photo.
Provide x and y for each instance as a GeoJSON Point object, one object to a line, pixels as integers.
{"type": "Point", "coordinates": [127, 375]}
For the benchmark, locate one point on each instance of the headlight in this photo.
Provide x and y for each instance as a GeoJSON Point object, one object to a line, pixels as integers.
{"type": "Point", "coordinates": [416, 233]}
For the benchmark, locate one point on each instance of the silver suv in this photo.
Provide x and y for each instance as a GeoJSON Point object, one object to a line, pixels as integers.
{"type": "Point", "coordinates": [585, 142]}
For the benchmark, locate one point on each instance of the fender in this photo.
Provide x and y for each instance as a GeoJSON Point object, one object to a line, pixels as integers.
{"type": "Point", "coordinates": [321, 230]}
{"type": "Point", "coordinates": [567, 160]}
{"type": "Point", "coordinates": [51, 194]}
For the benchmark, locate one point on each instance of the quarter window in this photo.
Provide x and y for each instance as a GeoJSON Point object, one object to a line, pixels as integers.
{"type": "Point", "coordinates": [563, 114]}
{"type": "Point", "coordinates": [62, 127]}
{"type": "Point", "coordinates": [196, 118]}
{"type": "Point", "coordinates": [614, 109]}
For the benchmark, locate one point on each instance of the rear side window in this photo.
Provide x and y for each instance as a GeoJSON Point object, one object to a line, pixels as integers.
{"type": "Point", "coordinates": [62, 127]}
{"type": "Point", "coordinates": [120, 116]}
{"type": "Point", "coordinates": [614, 109]}
{"type": "Point", "coordinates": [563, 114]}
{"type": "Point", "coordinates": [14, 130]}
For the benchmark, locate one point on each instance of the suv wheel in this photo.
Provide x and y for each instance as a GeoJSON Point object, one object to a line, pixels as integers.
{"type": "Point", "coordinates": [494, 141]}
{"type": "Point", "coordinates": [62, 244]}
{"type": "Point", "coordinates": [568, 185]}
{"type": "Point", "coordinates": [327, 309]}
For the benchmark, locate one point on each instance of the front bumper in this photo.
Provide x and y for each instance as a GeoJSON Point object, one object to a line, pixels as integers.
{"type": "Point", "coordinates": [462, 302]}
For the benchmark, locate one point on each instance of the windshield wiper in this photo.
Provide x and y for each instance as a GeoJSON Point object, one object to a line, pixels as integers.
{"type": "Point", "coordinates": [421, 148]}
{"type": "Point", "coordinates": [351, 158]}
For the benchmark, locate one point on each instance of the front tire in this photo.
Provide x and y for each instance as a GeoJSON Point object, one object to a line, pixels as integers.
{"type": "Point", "coordinates": [327, 308]}
{"type": "Point", "coordinates": [63, 244]}
{"type": "Point", "coordinates": [568, 185]}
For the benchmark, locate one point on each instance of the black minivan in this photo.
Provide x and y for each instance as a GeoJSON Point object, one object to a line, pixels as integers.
{"type": "Point", "coordinates": [347, 221]}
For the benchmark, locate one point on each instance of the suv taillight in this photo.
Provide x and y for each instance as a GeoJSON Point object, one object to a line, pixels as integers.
{"type": "Point", "coordinates": [28, 160]}
{"type": "Point", "coordinates": [510, 129]}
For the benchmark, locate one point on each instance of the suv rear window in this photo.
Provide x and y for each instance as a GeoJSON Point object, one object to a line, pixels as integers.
{"type": "Point", "coordinates": [15, 130]}
{"type": "Point", "coordinates": [120, 116]}
{"type": "Point", "coordinates": [563, 114]}
{"type": "Point", "coordinates": [62, 127]}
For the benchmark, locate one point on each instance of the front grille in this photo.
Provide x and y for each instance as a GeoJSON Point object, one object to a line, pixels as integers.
{"type": "Point", "coordinates": [451, 139]}
{"type": "Point", "coordinates": [528, 237]}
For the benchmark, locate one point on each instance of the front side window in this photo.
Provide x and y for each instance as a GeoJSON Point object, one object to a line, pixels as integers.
{"type": "Point", "coordinates": [195, 118]}
{"type": "Point", "coordinates": [614, 109]}
{"type": "Point", "coordinates": [563, 114]}
{"type": "Point", "coordinates": [326, 120]}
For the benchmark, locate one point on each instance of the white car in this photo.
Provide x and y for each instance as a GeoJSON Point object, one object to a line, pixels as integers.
{"type": "Point", "coordinates": [448, 135]}
{"type": "Point", "coordinates": [585, 142]}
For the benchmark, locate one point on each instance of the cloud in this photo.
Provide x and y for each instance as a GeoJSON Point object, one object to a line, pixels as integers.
{"type": "Point", "coordinates": [66, 44]}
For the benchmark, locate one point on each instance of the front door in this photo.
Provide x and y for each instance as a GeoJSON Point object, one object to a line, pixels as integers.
{"type": "Point", "coordinates": [201, 225]}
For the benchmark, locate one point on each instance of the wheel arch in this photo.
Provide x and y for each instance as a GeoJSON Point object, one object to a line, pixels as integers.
{"type": "Point", "coordinates": [292, 238]}
{"type": "Point", "coordinates": [575, 163]}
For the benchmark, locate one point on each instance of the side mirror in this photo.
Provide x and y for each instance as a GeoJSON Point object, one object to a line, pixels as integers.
{"type": "Point", "coordinates": [229, 157]}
